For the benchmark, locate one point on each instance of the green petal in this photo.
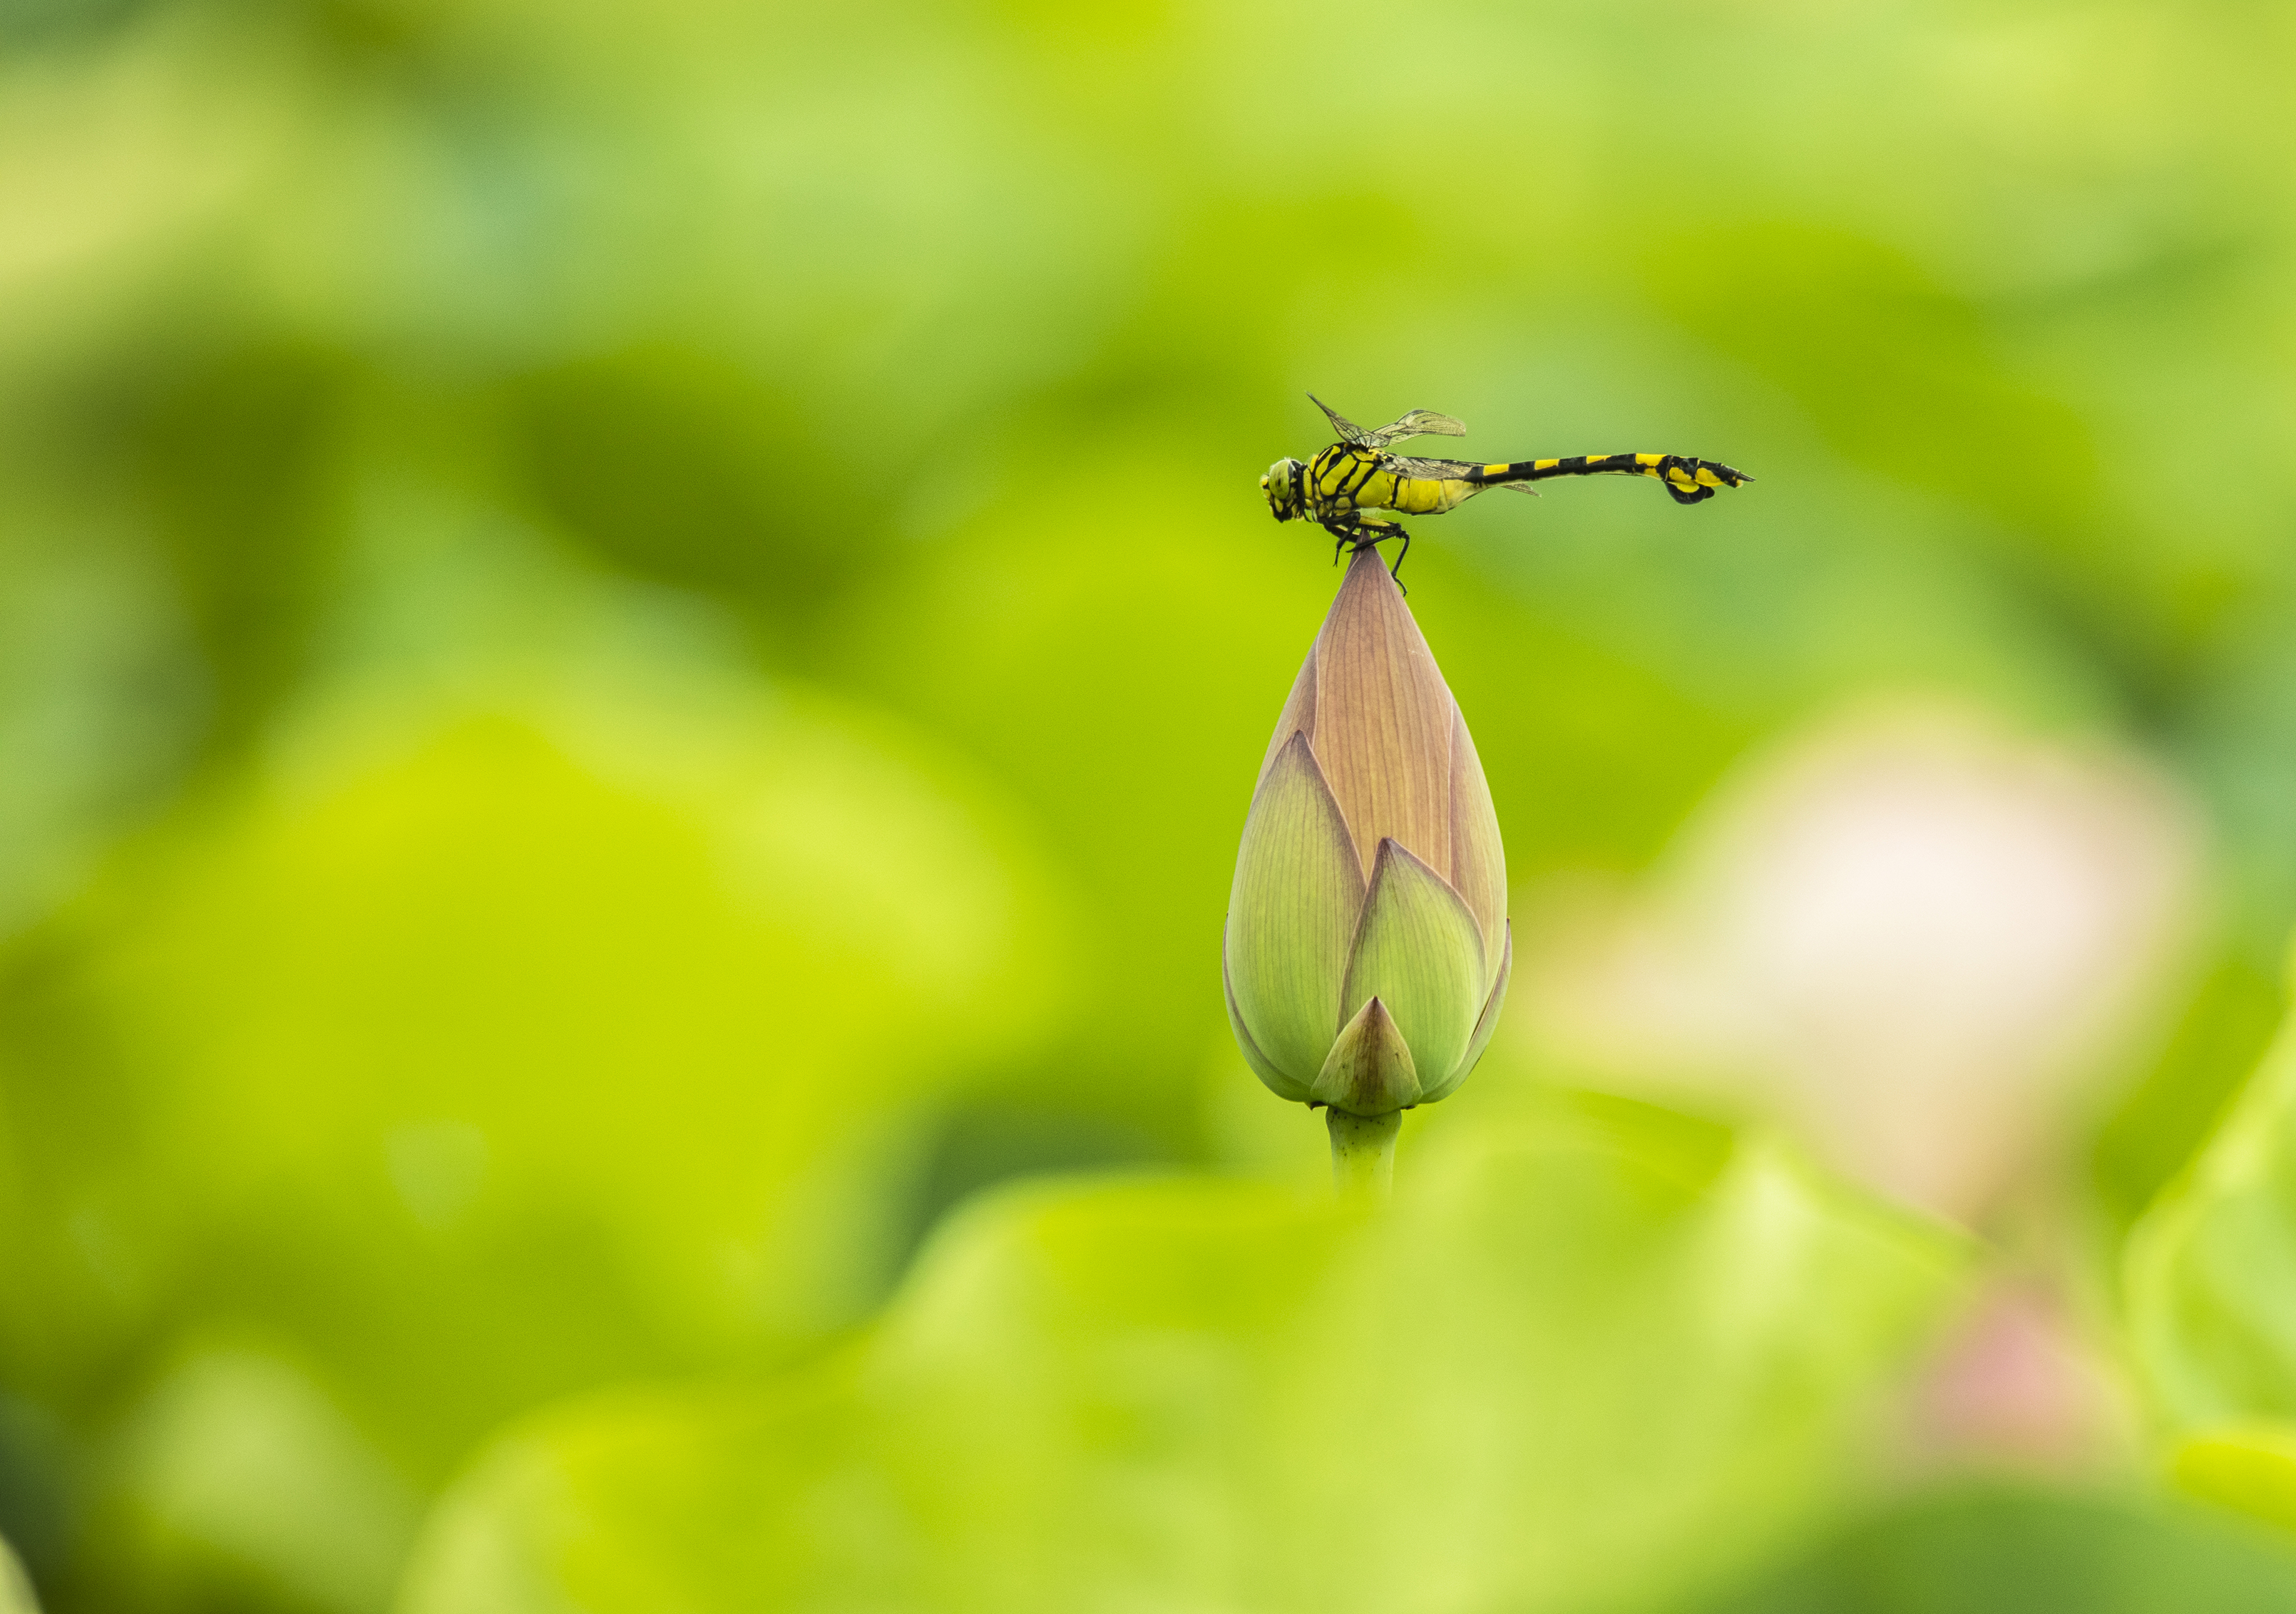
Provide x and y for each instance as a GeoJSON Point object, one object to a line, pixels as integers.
{"type": "Point", "coordinates": [1277, 1082]}
{"type": "Point", "coordinates": [1291, 916]}
{"type": "Point", "coordinates": [1370, 1071]}
{"type": "Point", "coordinates": [1420, 952]}
{"type": "Point", "coordinates": [1477, 860]}
{"type": "Point", "coordinates": [1484, 1025]}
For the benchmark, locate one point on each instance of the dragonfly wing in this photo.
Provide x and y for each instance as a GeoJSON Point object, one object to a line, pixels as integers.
{"type": "Point", "coordinates": [1349, 432]}
{"type": "Point", "coordinates": [1432, 470]}
{"type": "Point", "coordinates": [1419, 423]}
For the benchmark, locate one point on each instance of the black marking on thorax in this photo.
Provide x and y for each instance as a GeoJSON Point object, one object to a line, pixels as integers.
{"type": "Point", "coordinates": [1339, 473]}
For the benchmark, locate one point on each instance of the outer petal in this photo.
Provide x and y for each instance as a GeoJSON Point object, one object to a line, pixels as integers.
{"type": "Point", "coordinates": [1477, 860]}
{"type": "Point", "coordinates": [1370, 1071]}
{"type": "Point", "coordinates": [1277, 1082]}
{"type": "Point", "coordinates": [1485, 1026]}
{"type": "Point", "coordinates": [1299, 714]}
{"type": "Point", "coordinates": [1383, 719]}
{"type": "Point", "coordinates": [1420, 952]}
{"type": "Point", "coordinates": [1291, 916]}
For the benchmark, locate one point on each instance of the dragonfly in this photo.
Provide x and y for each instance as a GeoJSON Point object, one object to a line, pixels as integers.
{"type": "Point", "coordinates": [1358, 473]}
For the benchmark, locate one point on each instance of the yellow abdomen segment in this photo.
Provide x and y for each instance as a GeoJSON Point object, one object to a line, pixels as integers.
{"type": "Point", "coordinates": [1421, 496]}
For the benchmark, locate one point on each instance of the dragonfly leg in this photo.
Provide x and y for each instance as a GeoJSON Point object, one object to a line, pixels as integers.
{"type": "Point", "coordinates": [1369, 533]}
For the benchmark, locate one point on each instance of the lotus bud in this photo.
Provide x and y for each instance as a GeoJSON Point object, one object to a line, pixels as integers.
{"type": "Point", "coordinates": [1367, 946]}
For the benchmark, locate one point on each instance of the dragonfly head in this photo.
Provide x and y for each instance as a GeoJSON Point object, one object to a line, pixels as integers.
{"type": "Point", "coordinates": [1285, 488]}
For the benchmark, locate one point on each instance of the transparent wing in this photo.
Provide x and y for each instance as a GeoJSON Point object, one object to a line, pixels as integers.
{"type": "Point", "coordinates": [1419, 423]}
{"type": "Point", "coordinates": [1349, 432]}
{"type": "Point", "coordinates": [1433, 471]}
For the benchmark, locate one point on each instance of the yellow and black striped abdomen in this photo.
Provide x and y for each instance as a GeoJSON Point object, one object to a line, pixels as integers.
{"type": "Point", "coordinates": [1688, 480]}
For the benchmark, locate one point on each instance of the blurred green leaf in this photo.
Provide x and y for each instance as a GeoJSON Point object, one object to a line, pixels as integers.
{"type": "Point", "coordinates": [680, 466]}
{"type": "Point", "coordinates": [242, 1481]}
{"type": "Point", "coordinates": [2160, 1121]}
{"type": "Point", "coordinates": [100, 699]}
{"type": "Point", "coordinates": [554, 1005]}
{"type": "Point", "coordinates": [1601, 1355]}
{"type": "Point", "coordinates": [1999, 1549]}
{"type": "Point", "coordinates": [2211, 1268]}
{"type": "Point", "coordinates": [232, 458]}
{"type": "Point", "coordinates": [2251, 1467]}
{"type": "Point", "coordinates": [15, 1591]}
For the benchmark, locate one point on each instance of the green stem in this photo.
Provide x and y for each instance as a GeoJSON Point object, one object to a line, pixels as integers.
{"type": "Point", "coordinates": [1363, 1152]}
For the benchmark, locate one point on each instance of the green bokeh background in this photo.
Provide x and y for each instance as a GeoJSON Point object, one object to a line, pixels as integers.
{"type": "Point", "coordinates": [632, 644]}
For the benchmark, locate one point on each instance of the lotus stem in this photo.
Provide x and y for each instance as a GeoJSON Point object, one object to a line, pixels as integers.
{"type": "Point", "coordinates": [1362, 1153]}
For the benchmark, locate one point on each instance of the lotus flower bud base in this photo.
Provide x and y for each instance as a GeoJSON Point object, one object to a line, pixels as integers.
{"type": "Point", "coordinates": [1367, 946]}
